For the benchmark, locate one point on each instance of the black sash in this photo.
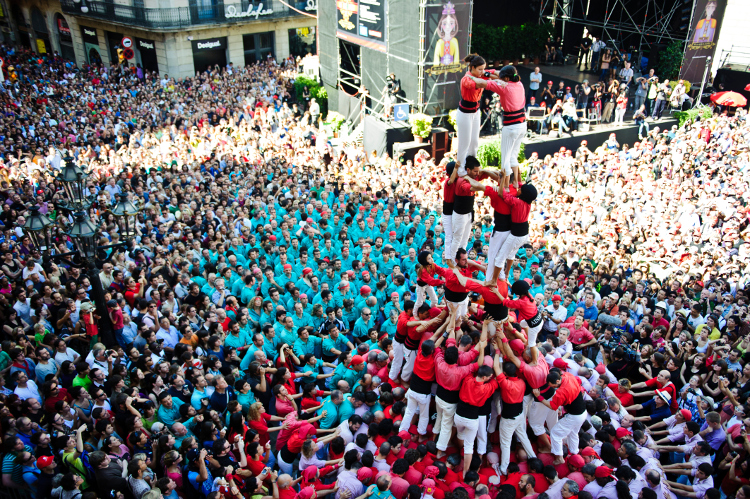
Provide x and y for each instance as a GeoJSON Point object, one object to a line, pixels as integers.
{"type": "Point", "coordinates": [467, 411]}
{"type": "Point", "coordinates": [519, 229]}
{"type": "Point", "coordinates": [502, 222]}
{"type": "Point", "coordinates": [535, 321]}
{"type": "Point", "coordinates": [468, 106]}
{"type": "Point", "coordinates": [497, 311]}
{"type": "Point", "coordinates": [447, 208]}
{"type": "Point", "coordinates": [513, 117]}
{"type": "Point", "coordinates": [463, 205]}
{"type": "Point", "coordinates": [455, 296]}
{"type": "Point", "coordinates": [448, 396]}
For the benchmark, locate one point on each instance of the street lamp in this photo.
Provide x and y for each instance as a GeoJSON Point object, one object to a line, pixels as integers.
{"type": "Point", "coordinates": [36, 226]}
{"type": "Point", "coordinates": [74, 180]}
{"type": "Point", "coordinates": [85, 234]}
{"type": "Point", "coordinates": [125, 212]}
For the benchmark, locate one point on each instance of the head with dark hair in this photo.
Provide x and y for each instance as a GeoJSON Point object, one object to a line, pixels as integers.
{"type": "Point", "coordinates": [550, 473]}
{"type": "Point", "coordinates": [400, 466]}
{"type": "Point", "coordinates": [475, 61]}
{"type": "Point", "coordinates": [536, 465]}
{"type": "Point", "coordinates": [609, 455]}
{"type": "Point", "coordinates": [509, 73]}
{"type": "Point", "coordinates": [350, 458]}
{"type": "Point", "coordinates": [484, 373]}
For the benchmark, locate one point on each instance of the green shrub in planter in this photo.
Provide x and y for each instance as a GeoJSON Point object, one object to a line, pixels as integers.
{"type": "Point", "coordinates": [421, 125]}
{"type": "Point", "coordinates": [489, 154]}
{"type": "Point", "coordinates": [452, 118]}
{"type": "Point", "coordinates": [691, 115]}
{"type": "Point", "coordinates": [335, 120]}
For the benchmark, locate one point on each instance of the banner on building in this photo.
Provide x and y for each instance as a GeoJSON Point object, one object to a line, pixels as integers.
{"type": "Point", "coordinates": [704, 34]}
{"type": "Point", "coordinates": [447, 45]}
{"type": "Point", "coordinates": [447, 38]}
{"type": "Point", "coordinates": [40, 46]}
{"type": "Point", "coordinates": [362, 22]}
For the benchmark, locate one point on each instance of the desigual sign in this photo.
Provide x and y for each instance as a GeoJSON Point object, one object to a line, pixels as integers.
{"type": "Point", "coordinates": [89, 32]}
{"type": "Point", "coordinates": [145, 45]}
{"type": "Point", "coordinates": [231, 12]}
{"type": "Point", "coordinates": [209, 45]}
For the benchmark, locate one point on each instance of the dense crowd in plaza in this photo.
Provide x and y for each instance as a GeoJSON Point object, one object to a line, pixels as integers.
{"type": "Point", "coordinates": [289, 323]}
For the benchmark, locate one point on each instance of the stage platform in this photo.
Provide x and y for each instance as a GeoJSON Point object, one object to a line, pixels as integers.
{"type": "Point", "coordinates": [544, 144]}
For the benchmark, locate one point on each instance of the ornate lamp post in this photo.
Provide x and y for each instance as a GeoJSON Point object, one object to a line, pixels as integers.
{"type": "Point", "coordinates": [85, 235]}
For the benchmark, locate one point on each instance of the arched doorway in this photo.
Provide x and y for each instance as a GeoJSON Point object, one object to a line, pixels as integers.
{"type": "Point", "coordinates": [65, 38]}
{"type": "Point", "coordinates": [24, 37]}
{"type": "Point", "coordinates": [39, 24]}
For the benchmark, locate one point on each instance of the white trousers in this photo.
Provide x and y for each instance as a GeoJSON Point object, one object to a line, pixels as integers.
{"type": "Point", "coordinates": [398, 360]}
{"type": "Point", "coordinates": [533, 332]}
{"type": "Point", "coordinates": [467, 126]}
{"type": "Point", "coordinates": [496, 242]}
{"type": "Point", "coordinates": [466, 430]}
{"type": "Point", "coordinates": [409, 357]}
{"type": "Point", "coordinates": [508, 427]}
{"type": "Point", "coordinates": [448, 229]}
{"type": "Point", "coordinates": [568, 426]}
{"type": "Point", "coordinates": [496, 407]}
{"type": "Point", "coordinates": [508, 251]}
{"type": "Point", "coordinates": [416, 403]}
{"type": "Point", "coordinates": [444, 421]}
{"type": "Point", "coordinates": [421, 292]}
{"type": "Point", "coordinates": [481, 436]}
{"type": "Point", "coordinates": [540, 414]}
{"type": "Point", "coordinates": [510, 143]}
{"type": "Point", "coordinates": [461, 308]}
{"type": "Point", "coordinates": [461, 232]}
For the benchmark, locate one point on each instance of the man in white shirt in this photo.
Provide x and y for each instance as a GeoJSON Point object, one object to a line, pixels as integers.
{"type": "Point", "coordinates": [702, 482]}
{"type": "Point", "coordinates": [626, 74]}
{"type": "Point", "coordinates": [554, 315]}
{"type": "Point", "coordinates": [25, 388]}
{"type": "Point", "coordinates": [349, 428]}
{"type": "Point", "coordinates": [535, 79]}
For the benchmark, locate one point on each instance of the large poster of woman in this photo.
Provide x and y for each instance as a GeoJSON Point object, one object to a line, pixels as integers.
{"type": "Point", "coordinates": [704, 33]}
{"type": "Point", "coordinates": [447, 33]}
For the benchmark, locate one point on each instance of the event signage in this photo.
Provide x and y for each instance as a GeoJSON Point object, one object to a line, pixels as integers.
{"type": "Point", "coordinates": [362, 22]}
{"type": "Point", "coordinates": [448, 38]}
{"type": "Point", "coordinates": [210, 44]}
{"type": "Point", "coordinates": [89, 35]}
{"type": "Point", "coordinates": [231, 12]}
{"type": "Point", "coordinates": [62, 26]}
{"type": "Point", "coordinates": [704, 33]}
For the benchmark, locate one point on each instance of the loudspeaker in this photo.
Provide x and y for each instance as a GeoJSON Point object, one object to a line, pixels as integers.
{"type": "Point", "coordinates": [439, 143]}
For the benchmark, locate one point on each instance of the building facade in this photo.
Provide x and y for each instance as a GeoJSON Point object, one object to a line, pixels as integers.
{"type": "Point", "coordinates": [174, 37]}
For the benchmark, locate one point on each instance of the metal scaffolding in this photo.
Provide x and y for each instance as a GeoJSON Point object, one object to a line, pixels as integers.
{"type": "Point", "coordinates": [624, 23]}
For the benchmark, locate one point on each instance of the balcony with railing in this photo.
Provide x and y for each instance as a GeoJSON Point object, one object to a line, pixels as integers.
{"type": "Point", "coordinates": [196, 14]}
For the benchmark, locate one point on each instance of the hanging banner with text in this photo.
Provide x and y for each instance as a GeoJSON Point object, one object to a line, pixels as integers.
{"type": "Point", "coordinates": [447, 45]}
{"type": "Point", "coordinates": [362, 22]}
{"type": "Point", "coordinates": [704, 34]}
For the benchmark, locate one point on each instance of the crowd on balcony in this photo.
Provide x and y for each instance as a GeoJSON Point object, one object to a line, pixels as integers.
{"type": "Point", "coordinates": [280, 326]}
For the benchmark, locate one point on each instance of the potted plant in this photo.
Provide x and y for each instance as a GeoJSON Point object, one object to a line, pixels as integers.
{"type": "Point", "coordinates": [335, 120]}
{"type": "Point", "coordinates": [421, 126]}
{"type": "Point", "coordinates": [452, 118]}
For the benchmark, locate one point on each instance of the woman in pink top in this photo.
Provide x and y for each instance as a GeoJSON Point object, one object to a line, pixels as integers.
{"type": "Point", "coordinates": [512, 99]}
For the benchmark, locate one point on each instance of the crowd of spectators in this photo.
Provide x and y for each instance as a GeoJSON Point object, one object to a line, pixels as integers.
{"type": "Point", "coordinates": [256, 312]}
